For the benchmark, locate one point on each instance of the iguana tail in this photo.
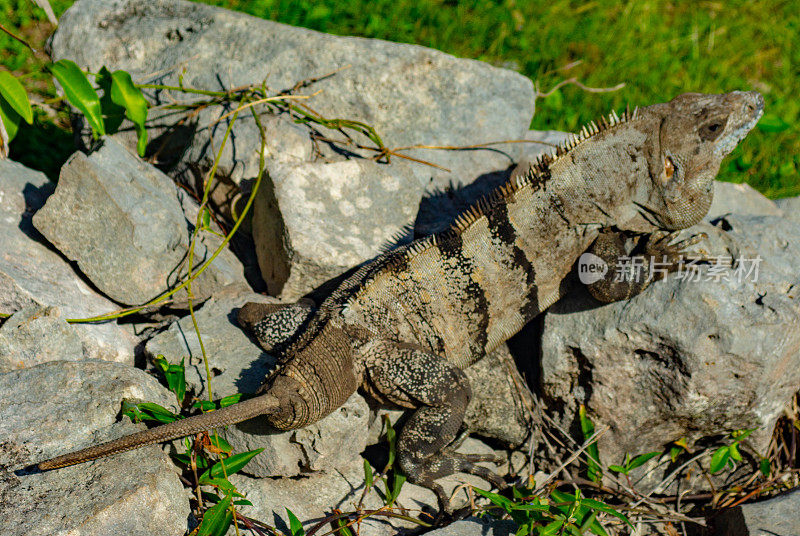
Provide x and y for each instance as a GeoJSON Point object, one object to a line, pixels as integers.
{"type": "Point", "coordinates": [264, 404]}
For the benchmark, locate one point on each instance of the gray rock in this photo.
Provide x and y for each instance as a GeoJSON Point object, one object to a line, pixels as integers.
{"type": "Point", "coordinates": [239, 366]}
{"type": "Point", "coordinates": [37, 335]}
{"type": "Point", "coordinates": [684, 358]}
{"type": "Point", "coordinates": [32, 275]}
{"type": "Point", "coordinates": [474, 526]}
{"type": "Point", "coordinates": [790, 206]}
{"type": "Point", "coordinates": [50, 409]}
{"type": "Point", "coordinates": [741, 199]}
{"type": "Point", "coordinates": [121, 220]}
{"type": "Point", "coordinates": [499, 398]}
{"type": "Point", "coordinates": [314, 221]}
{"type": "Point", "coordinates": [312, 497]}
{"type": "Point", "coordinates": [236, 363]}
{"type": "Point", "coordinates": [317, 447]}
{"type": "Point", "coordinates": [408, 93]}
{"type": "Point", "coordinates": [777, 516]}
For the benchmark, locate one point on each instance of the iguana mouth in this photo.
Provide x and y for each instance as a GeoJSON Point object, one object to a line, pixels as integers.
{"type": "Point", "coordinates": [752, 110]}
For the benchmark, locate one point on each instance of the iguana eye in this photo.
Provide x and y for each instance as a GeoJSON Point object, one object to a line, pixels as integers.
{"type": "Point", "coordinates": [669, 169]}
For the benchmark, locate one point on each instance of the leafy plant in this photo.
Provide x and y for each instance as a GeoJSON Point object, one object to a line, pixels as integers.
{"type": "Point", "coordinates": [561, 513]}
{"type": "Point", "coordinates": [728, 455]}
{"type": "Point", "coordinates": [393, 479]}
{"type": "Point", "coordinates": [14, 107]}
{"type": "Point", "coordinates": [175, 375]}
{"type": "Point", "coordinates": [120, 97]}
{"type": "Point", "coordinates": [629, 465]}
{"type": "Point", "coordinates": [594, 471]}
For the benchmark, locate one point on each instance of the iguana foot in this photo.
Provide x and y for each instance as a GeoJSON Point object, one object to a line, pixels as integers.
{"type": "Point", "coordinates": [660, 248]}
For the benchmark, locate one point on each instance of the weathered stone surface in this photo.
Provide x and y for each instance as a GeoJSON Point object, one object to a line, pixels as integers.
{"type": "Point", "coordinates": [121, 220]}
{"type": "Point", "coordinates": [684, 358]}
{"type": "Point", "coordinates": [37, 335]}
{"type": "Point", "coordinates": [775, 516]}
{"type": "Point", "coordinates": [312, 497]}
{"type": "Point", "coordinates": [410, 94]}
{"type": "Point", "coordinates": [239, 366]}
{"type": "Point", "coordinates": [474, 526]}
{"type": "Point", "coordinates": [741, 199]}
{"type": "Point", "coordinates": [314, 221]}
{"type": "Point", "coordinates": [499, 397]}
{"type": "Point", "coordinates": [32, 275]}
{"type": "Point", "coordinates": [50, 409]}
{"type": "Point", "coordinates": [317, 447]}
{"type": "Point", "coordinates": [790, 207]}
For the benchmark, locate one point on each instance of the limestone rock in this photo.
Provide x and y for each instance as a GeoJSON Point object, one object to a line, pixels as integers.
{"type": "Point", "coordinates": [121, 220]}
{"type": "Point", "coordinates": [408, 93]}
{"type": "Point", "coordinates": [790, 207]}
{"type": "Point", "coordinates": [32, 275]}
{"type": "Point", "coordinates": [499, 399]}
{"type": "Point", "coordinates": [37, 335]}
{"type": "Point", "coordinates": [741, 199]}
{"type": "Point", "coordinates": [685, 358]}
{"type": "Point", "coordinates": [777, 515]}
{"type": "Point", "coordinates": [314, 221]}
{"type": "Point", "coordinates": [54, 408]}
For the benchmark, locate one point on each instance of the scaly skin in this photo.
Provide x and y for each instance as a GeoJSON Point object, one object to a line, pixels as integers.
{"type": "Point", "coordinates": [404, 325]}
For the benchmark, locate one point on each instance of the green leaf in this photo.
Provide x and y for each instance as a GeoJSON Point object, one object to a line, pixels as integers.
{"type": "Point", "coordinates": [772, 123]}
{"type": "Point", "coordinates": [603, 507]}
{"type": "Point", "coordinates": [229, 400]}
{"type": "Point", "coordinates": [343, 529]}
{"type": "Point", "coordinates": [741, 435]}
{"type": "Point", "coordinates": [10, 120]}
{"type": "Point", "coordinates": [391, 438]}
{"type": "Point", "coordinates": [368, 475]}
{"type": "Point", "coordinates": [113, 114]}
{"type": "Point", "coordinates": [618, 469]}
{"type": "Point", "coordinates": [205, 405]}
{"type": "Point", "coordinates": [765, 467]}
{"type": "Point", "coordinates": [734, 452]}
{"type": "Point", "coordinates": [148, 411]}
{"type": "Point", "coordinates": [221, 444]}
{"type": "Point", "coordinates": [719, 459]}
{"type": "Point", "coordinates": [125, 94]}
{"type": "Point", "coordinates": [294, 524]}
{"type": "Point", "coordinates": [175, 375]}
{"type": "Point", "coordinates": [232, 464]}
{"type": "Point", "coordinates": [498, 500]}
{"type": "Point", "coordinates": [594, 472]}
{"type": "Point", "coordinates": [80, 93]}
{"type": "Point", "coordinates": [14, 94]}
{"type": "Point", "coordinates": [642, 459]}
{"type": "Point", "coordinates": [217, 519]}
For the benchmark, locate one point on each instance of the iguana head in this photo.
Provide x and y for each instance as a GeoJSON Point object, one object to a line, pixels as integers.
{"type": "Point", "coordinates": [687, 138]}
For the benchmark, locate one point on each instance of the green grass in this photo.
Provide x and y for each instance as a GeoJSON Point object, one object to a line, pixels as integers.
{"type": "Point", "coordinates": [657, 48]}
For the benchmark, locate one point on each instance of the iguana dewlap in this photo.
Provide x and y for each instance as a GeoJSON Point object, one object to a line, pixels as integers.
{"type": "Point", "coordinates": [405, 325]}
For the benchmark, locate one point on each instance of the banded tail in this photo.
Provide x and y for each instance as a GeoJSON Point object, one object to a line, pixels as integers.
{"type": "Point", "coordinates": [242, 411]}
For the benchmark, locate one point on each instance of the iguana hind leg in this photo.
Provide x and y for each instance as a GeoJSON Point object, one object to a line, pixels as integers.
{"type": "Point", "coordinates": [439, 391]}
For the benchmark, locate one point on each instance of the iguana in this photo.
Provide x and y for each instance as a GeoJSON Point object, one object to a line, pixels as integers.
{"type": "Point", "coordinates": [404, 326]}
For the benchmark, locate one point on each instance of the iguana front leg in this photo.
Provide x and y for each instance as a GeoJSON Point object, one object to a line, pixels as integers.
{"type": "Point", "coordinates": [649, 258]}
{"type": "Point", "coordinates": [439, 392]}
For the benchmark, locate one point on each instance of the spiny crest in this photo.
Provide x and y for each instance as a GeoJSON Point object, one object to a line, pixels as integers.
{"type": "Point", "coordinates": [536, 177]}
